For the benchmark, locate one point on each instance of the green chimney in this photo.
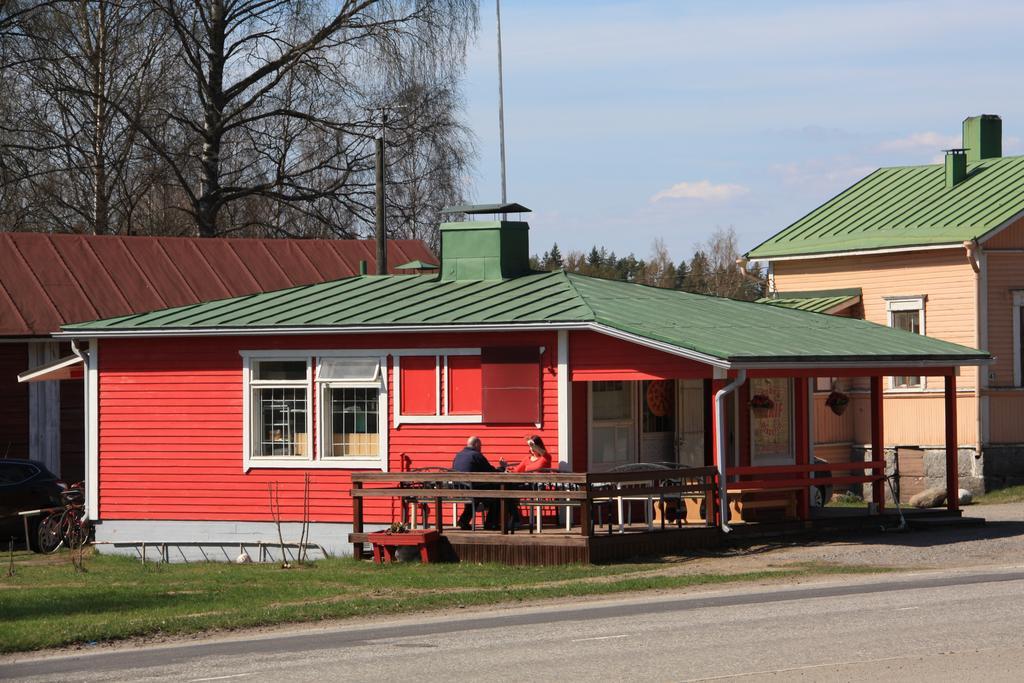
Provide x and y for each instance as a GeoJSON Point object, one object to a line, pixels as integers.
{"type": "Point", "coordinates": [983, 137]}
{"type": "Point", "coordinates": [484, 250]}
{"type": "Point", "coordinates": [956, 166]}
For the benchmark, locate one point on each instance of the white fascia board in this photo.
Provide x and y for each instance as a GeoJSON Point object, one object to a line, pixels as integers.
{"type": "Point", "coordinates": [861, 252]}
{"type": "Point", "coordinates": [984, 237]}
{"type": "Point", "coordinates": [290, 331]}
{"type": "Point", "coordinates": [851, 365]}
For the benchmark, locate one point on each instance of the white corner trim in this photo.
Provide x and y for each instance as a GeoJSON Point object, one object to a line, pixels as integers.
{"type": "Point", "coordinates": [92, 446]}
{"type": "Point", "coordinates": [564, 404]}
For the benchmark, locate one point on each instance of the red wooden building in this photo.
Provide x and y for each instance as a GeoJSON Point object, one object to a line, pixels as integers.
{"type": "Point", "coordinates": [196, 412]}
{"type": "Point", "coordinates": [48, 280]}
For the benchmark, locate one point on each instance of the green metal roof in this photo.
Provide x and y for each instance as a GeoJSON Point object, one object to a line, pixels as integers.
{"type": "Point", "coordinates": [906, 207]}
{"type": "Point", "coordinates": [472, 209]}
{"type": "Point", "coordinates": [722, 329]}
{"type": "Point", "coordinates": [417, 265]}
{"type": "Point", "coordinates": [823, 301]}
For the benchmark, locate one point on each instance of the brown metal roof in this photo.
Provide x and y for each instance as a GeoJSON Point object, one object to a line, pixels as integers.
{"type": "Point", "coordinates": [48, 280]}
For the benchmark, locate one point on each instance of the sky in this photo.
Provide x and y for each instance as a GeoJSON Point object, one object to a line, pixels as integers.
{"type": "Point", "coordinates": [630, 121]}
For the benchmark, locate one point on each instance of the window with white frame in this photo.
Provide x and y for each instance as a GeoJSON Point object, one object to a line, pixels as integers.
{"type": "Point", "coordinates": [279, 408]}
{"type": "Point", "coordinates": [1018, 338]}
{"type": "Point", "coordinates": [346, 390]}
{"type": "Point", "coordinates": [353, 410]}
{"type": "Point", "coordinates": [907, 313]}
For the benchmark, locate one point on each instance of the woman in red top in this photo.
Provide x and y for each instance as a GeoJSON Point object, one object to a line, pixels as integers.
{"type": "Point", "coordinates": [539, 458]}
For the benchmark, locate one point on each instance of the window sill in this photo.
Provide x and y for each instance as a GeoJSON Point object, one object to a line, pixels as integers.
{"type": "Point", "coordinates": [438, 419]}
{"type": "Point", "coordinates": [306, 463]}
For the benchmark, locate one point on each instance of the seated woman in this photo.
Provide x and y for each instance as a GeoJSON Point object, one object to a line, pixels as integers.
{"type": "Point", "coordinates": [539, 458]}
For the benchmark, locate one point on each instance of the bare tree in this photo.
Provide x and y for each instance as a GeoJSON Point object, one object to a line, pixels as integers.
{"type": "Point", "coordinates": [723, 276]}
{"type": "Point", "coordinates": [285, 98]}
{"type": "Point", "coordinates": [89, 72]}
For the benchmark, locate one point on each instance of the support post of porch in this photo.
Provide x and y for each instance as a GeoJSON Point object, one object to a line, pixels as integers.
{"type": "Point", "coordinates": [878, 442]}
{"type": "Point", "coordinates": [802, 409]}
{"type": "Point", "coordinates": [952, 461]}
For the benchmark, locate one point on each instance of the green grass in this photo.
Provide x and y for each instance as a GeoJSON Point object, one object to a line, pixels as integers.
{"type": "Point", "coordinates": [48, 605]}
{"type": "Point", "coordinates": [1011, 494]}
{"type": "Point", "coordinates": [846, 500]}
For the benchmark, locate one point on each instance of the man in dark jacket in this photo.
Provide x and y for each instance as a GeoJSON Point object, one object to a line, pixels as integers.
{"type": "Point", "coordinates": [471, 459]}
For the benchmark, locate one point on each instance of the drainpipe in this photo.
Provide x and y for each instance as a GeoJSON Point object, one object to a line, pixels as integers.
{"type": "Point", "coordinates": [742, 264]}
{"type": "Point", "coordinates": [77, 350]}
{"type": "Point", "coordinates": [976, 257]}
{"type": "Point", "coordinates": [720, 395]}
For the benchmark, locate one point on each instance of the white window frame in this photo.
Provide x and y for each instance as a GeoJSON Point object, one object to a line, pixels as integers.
{"type": "Point", "coordinates": [1018, 357]}
{"type": "Point", "coordinates": [325, 445]}
{"type": "Point", "coordinates": [757, 460]}
{"type": "Point", "coordinates": [441, 415]}
{"type": "Point", "coordinates": [315, 404]}
{"type": "Point", "coordinates": [249, 359]}
{"type": "Point", "coordinates": [894, 304]}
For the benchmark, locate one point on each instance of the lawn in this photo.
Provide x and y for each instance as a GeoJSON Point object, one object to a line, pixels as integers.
{"type": "Point", "coordinates": [49, 605]}
{"type": "Point", "coordinates": [1011, 494]}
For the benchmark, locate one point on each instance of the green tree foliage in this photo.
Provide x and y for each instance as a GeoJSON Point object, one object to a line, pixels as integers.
{"type": "Point", "coordinates": [714, 269]}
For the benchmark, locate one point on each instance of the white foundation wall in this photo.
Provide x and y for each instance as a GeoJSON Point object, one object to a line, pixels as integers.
{"type": "Point", "coordinates": [219, 541]}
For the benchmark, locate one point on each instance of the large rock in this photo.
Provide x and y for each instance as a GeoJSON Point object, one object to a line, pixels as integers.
{"type": "Point", "coordinates": [966, 497]}
{"type": "Point", "coordinates": [929, 498]}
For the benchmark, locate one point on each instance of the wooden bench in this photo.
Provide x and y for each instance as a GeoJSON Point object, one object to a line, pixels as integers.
{"type": "Point", "coordinates": [742, 500]}
{"type": "Point", "coordinates": [384, 544]}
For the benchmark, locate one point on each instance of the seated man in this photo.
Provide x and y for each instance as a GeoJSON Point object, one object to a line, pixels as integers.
{"type": "Point", "coordinates": [471, 459]}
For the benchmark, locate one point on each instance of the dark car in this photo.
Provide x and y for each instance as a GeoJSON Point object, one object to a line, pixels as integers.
{"type": "Point", "coordinates": [25, 485]}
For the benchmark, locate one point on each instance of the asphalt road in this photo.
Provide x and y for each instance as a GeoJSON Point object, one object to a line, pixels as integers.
{"type": "Point", "coordinates": [942, 626]}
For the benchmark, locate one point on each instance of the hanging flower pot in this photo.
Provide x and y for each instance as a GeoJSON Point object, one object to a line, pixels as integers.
{"type": "Point", "coordinates": [837, 402]}
{"type": "Point", "coordinates": [761, 404]}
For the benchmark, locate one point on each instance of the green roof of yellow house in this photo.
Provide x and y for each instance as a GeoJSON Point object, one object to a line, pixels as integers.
{"type": "Point", "coordinates": [822, 301]}
{"type": "Point", "coordinates": [914, 206]}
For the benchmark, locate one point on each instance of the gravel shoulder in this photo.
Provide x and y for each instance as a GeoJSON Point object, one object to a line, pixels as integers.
{"type": "Point", "coordinates": [999, 543]}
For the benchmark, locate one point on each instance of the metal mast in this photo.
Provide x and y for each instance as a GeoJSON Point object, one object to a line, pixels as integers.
{"type": "Point", "coordinates": [501, 108]}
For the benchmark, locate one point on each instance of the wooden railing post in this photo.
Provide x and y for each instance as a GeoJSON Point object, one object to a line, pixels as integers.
{"type": "Point", "coordinates": [585, 512]}
{"type": "Point", "coordinates": [357, 518]}
{"type": "Point", "coordinates": [502, 507]}
{"type": "Point", "coordinates": [439, 513]}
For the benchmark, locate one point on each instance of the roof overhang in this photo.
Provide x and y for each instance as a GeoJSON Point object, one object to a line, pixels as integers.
{"type": "Point", "coordinates": [68, 367]}
{"type": "Point", "coordinates": [752, 363]}
{"type": "Point", "coordinates": [859, 252]}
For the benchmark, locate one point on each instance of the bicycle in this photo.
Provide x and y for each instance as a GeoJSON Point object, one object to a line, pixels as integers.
{"type": "Point", "coordinates": [67, 526]}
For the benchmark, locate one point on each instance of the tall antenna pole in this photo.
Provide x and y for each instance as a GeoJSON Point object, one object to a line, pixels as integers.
{"type": "Point", "coordinates": [381, 234]}
{"type": "Point", "coordinates": [501, 108]}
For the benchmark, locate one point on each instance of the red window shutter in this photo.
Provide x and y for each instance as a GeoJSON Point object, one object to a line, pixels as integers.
{"type": "Point", "coordinates": [511, 385]}
{"type": "Point", "coordinates": [464, 385]}
{"type": "Point", "coordinates": [419, 385]}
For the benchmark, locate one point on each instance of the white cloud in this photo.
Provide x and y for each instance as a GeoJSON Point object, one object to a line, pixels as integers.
{"type": "Point", "coordinates": [926, 140]}
{"type": "Point", "coordinates": [703, 190]}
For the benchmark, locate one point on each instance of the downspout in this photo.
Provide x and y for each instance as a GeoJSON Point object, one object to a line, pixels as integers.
{"type": "Point", "coordinates": [977, 260]}
{"type": "Point", "coordinates": [742, 263]}
{"type": "Point", "coordinates": [723, 496]}
{"type": "Point", "coordinates": [77, 350]}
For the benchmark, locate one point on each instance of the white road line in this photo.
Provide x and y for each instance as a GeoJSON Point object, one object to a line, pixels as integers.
{"type": "Point", "coordinates": [220, 678]}
{"type": "Point", "coordinates": [583, 640]}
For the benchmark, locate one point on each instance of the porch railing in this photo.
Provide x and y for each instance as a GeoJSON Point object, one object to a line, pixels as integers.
{"type": "Point", "coordinates": [581, 494]}
{"type": "Point", "coordinates": [774, 477]}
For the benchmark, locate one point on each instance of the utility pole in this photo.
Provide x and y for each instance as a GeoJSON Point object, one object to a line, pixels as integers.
{"type": "Point", "coordinates": [501, 108]}
{"type": "Point", "coordinates": [382, 238]}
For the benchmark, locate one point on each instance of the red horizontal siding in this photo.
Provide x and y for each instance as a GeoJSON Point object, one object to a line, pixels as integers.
{"type": "Point", "coordinates": [597, 357]}
{"type": "Point", "coordinates": [171, 427]}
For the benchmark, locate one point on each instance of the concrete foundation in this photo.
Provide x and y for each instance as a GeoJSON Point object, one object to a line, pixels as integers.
{"type": "Point", "coordinates": [996, 467]}
{"type": "Point", "coordinates": [180, 541]}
